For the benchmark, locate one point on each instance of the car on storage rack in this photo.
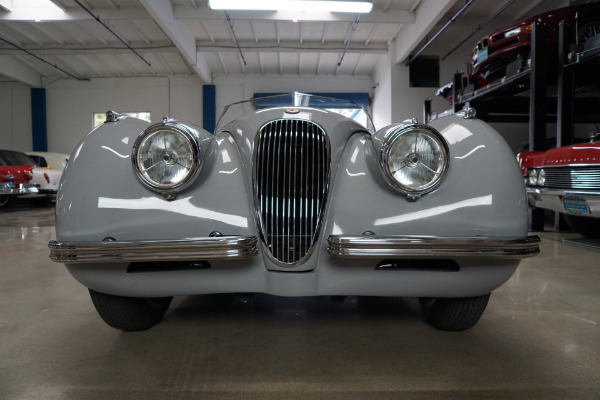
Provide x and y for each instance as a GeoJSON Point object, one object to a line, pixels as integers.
{"type": "Point", "coordinates": [15, 176]}
{"type": "Point", "coordinates": [290, 198]}
{"type": "Point", "coordinates": [494, 52]}
{"type": "Point", "coordinates": [566, 180]}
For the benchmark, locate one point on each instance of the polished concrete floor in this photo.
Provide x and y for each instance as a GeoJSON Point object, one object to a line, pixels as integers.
{"type": "Point", "coordinates": [538, 339]}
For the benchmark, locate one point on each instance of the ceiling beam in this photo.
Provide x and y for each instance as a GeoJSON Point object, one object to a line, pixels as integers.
{"type": "Point", "coordinates": [427, 15]}
{"type": "Point", "coordinates": [204, 12]}
{"type": "Point", "coordinates": [5, 5]}
{"type": "Point", "coordinates": [291, 47]}
{"type": "Point", "coordinates": [19, 72]}
{"type": "Point", "coordinates": [77, 49]}
{"type": "Point", "coordinates": [162, 13]}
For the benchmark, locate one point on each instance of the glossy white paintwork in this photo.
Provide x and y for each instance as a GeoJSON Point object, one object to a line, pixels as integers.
{"type": "Point", "coordinates": [482, 195]}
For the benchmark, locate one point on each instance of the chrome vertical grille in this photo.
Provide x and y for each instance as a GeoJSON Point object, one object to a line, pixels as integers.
{"type": "Point", "coordinates": [291, 176]}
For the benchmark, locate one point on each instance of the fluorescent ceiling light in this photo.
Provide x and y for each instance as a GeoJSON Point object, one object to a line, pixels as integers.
{"type": "Point", "coordinates": [361, 7]}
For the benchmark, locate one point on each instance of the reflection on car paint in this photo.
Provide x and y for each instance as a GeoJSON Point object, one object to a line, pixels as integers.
{"type": "Point", "coordinates": [474, 202]}
{"type": "Point", "coordinates": [115, 152]}
{"type": "Point", "coordinates": [179, 206]}
{"type": "Point", "coordinates": [481, 146]}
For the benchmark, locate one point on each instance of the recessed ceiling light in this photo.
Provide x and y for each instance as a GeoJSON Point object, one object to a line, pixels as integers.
{"type": "Point", "coordinates": [360, 7]}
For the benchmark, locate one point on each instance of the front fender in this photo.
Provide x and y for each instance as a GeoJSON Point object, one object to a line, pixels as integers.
{"type": "Point", "coordinates": [482, 193]}
{"type": "Point", "coordinates": [100, 196]}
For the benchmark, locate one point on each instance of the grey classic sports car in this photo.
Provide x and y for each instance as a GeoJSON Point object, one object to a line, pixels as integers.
{"type": "Point", "coordinates": [290, 198]}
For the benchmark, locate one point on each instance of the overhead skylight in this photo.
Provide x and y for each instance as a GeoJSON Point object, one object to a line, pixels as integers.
{"type": "Point", "coordinates": [350, 6]}
{"type": "Point", "coordinates": [34, 10]}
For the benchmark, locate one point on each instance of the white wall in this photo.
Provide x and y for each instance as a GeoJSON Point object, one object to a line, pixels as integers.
{"type": "Point", "coordinates": [394, 100]}
{"type": "Point", "coordinates": [15, 114]}
{"type": "Point", "coordinates": [71, 104]}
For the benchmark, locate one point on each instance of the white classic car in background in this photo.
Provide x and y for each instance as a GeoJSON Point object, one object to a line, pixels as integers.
{"type": "Point", "coordinates": [290, 198]}
{"type": "Point", "coordinates": [48, 171]}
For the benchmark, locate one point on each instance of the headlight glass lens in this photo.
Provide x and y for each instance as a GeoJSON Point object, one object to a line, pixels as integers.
{"type": "Point", "coordinates": [532, 178]}
{"type": "Point", "coordinates": [166, 157]}
{"type": "Point", "coordinates": [416, 159]}
{"type": "Point", "coordinates": [541, 180]}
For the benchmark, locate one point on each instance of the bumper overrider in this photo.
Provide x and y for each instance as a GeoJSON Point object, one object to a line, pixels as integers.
{"type": "Point", "coordinates": [240, 247]}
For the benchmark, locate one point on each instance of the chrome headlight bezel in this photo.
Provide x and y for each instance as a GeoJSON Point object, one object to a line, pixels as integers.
{"type": "Point", "coordinates": [191, 139]}
{"type": "Point", "coordinates": [532, 177]}
{"type": "Point", "coordinates": [400, 132]}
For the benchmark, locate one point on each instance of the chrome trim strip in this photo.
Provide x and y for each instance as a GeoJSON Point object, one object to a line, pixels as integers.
{"type": "Point", "coordinates": [206, 248]}
{"type": "Point", "coordinates": [586, 165]}
{"type": "Point", "coordinates": [561, 192]}
{"type": "Point", "coordinates": [431, 247]}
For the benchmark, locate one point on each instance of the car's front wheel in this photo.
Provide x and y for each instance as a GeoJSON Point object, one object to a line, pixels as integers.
{"type": "Point", "coordinates": [130, 313]}
{"type": "Point", "coordinates": [453, 314]}
{"type": "Point", "coordinates": [5, 201]}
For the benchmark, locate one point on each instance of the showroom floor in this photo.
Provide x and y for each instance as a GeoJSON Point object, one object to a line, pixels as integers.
{"type": "Point", "coordinates": [538, 339]}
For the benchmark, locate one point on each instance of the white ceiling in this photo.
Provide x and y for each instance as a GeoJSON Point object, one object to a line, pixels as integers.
{"type": "Point", "coordinates": [173, 37]}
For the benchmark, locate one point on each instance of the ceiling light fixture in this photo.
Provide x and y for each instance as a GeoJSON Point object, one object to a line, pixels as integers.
{"type": "Point", "coordinates": [361, 7]}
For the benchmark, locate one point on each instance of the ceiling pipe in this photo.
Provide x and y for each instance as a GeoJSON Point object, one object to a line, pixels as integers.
{"type": "Point", "coordinates": [479, 28]}
{"type": "Point", "coordinates": [446, 25]}
{"type": "Point", "coordinates": [237, 43]}
{"type": "Point", "coordinates": [349, 40]}
{"type": "Point", "coordinates": [44, 61]}
{"type": "Point", "coordinates": [111, 31]}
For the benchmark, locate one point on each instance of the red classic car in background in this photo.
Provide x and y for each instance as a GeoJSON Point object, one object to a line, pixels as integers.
{"type": "Point", "coordinates": [567, 180]}
{"type": "Point", "coordinates": [15, 175]}
{"type": "Point", "coordinates": [494, 52]}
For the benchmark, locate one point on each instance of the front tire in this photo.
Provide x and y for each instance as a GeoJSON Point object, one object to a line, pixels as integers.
{"type": "Point", "coordinates": [453, 314]}
{"type": "Point", "coordinates": [130, 313]}
{"type": "Point", "coordinates": [5, 201]}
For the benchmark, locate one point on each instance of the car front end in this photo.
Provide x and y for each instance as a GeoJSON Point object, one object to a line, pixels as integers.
{"type": "Point", "coordinates": [293, 201]}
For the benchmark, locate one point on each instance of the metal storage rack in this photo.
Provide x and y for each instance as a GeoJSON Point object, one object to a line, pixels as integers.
{"type": "Point", "coordinates": [526, 94]}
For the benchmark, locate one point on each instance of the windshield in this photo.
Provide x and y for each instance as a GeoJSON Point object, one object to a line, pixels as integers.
{"type": "Point", "coordinates": [347, 108]}
{"type": "Point", "coordinates": [8, 157]}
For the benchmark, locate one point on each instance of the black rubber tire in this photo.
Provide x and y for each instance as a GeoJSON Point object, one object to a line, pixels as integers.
{"type": "Point", "coordinates": [5, 201]}
{"type": "Point", "coordinates": [585, 226]}
{"type": "Point", "coordinates": [587, 31]}
{"type": "Point", "coordinates": [453, 314]}
{"type": "Point", "coordinates": [130, 313]}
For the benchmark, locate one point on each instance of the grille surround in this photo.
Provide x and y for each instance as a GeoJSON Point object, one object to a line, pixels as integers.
{"type": "Point", "coordinates": [584, 177]}
{"type": "Point", "coordinates": [291, 173]}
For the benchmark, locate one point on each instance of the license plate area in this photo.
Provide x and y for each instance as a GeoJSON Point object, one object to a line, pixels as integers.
{"type": "Point", "coordinates": [482, 55]}
{"type": "Point", "coordinates": [576, 205]}
{"type": "Point", "coordinates": [10, 184]}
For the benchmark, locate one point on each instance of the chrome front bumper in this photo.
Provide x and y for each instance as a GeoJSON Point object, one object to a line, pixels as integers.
{"type": "Point", "coordinates": [23, 188]}
{"type": "Point", "coordinates": [239, 247]}
{"type": "Point", "coordinates": [431, 247]}
{"type": "Point", "coordinates": [208, 248]}
{"type": "Point", "coordinates": [552, 199]}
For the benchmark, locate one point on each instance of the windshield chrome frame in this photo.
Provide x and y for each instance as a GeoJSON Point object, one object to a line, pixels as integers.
{"type": "Point", "coordinates": [300, 100]}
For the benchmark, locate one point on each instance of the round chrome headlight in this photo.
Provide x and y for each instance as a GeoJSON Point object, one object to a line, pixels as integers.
{"type": "Point", "coordinates": [532, 178]}
{"type": "Point", "coordinates": [166, 156]}
{"type": "Point", "coordinates": [414, 158]}
{"type": "Point", "coordinates": [541, 180]}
